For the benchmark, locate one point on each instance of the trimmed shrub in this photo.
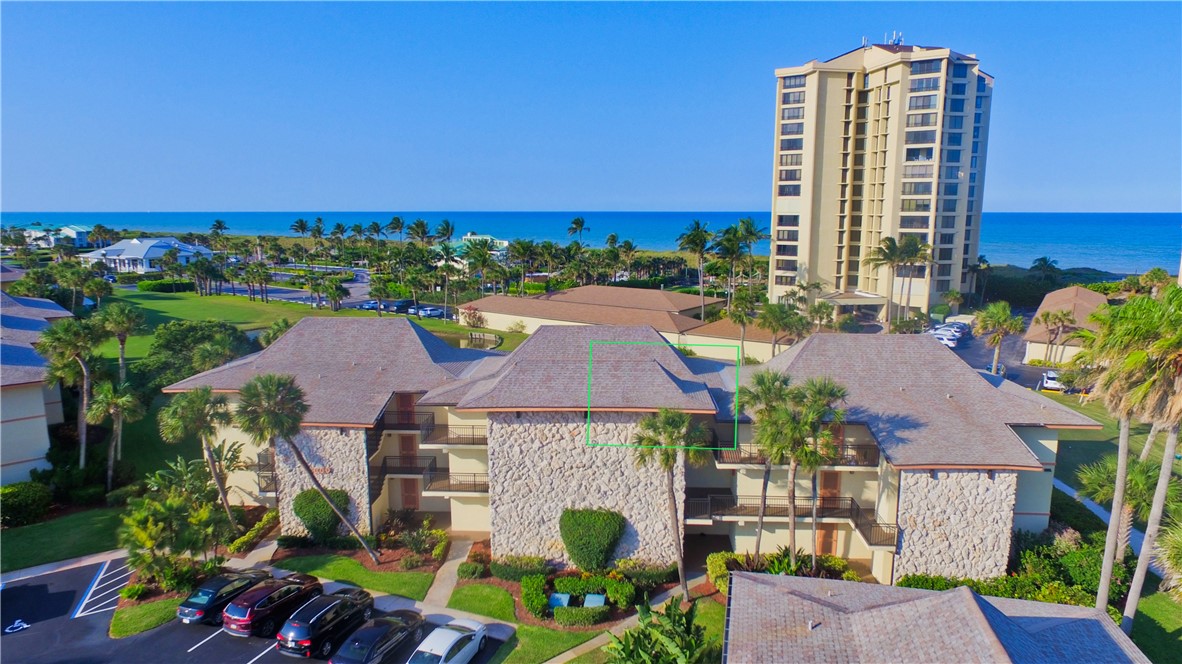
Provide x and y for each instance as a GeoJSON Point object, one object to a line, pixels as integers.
{"type": "Point", "coordinates": [91, 494]}
{"type": "Point", "coordinates": [580, 615]}
{"type": "Point", "coordinates": [620, 593]}
{"type": "Point", "coordinates": [516, 568]}
{"type": "Point", "coordinates": [133, 591]}
{"type": "Point", "coordinates": [119, 497]}
{"type": "Point", "coordinates": [23, 503]}
{"type": "Point", "coordinates": [717, 570]}
{"type": "Point", "coordinates": [533, 594]}
{"type": "Point", "coordinates": [165, 286]}
{"type": "Point", "coordinates": [439, 551]}
{"type": "Point", "coordinates": [644, 574]}
{"type": "Point", "coordinates": [252, 536]}
{"type": "Point", "coordinates": [929, 582]}
{"type": "Point", "coordinates": [126, 278]}
{"type": "Point", "coordinates": [591, 535]}
{"type": "Point", "coordinates": [575, 585]}
{"type": "Point", "coordinates": [411, 561]}
{"type": "Point", "coordinates": [470, 571]}
{"type": "Point", "coordinates": [318, 517]}
{"type": "Point", "coordinates": [293, 542]}
{"type": "Point", "coordinates": [851, 575]}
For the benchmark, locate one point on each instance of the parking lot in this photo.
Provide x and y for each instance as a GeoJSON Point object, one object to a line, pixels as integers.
{"type": "Point", "coordinates": [68, 614]}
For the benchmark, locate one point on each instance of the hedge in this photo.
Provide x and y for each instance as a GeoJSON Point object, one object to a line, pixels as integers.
{"type": "Point", "coordinates": [717, 571]}
{"type": "Point", "coordinates": [127, 278]}
{"type": "Point", "coordinates": [533, 594]}
{"type": "Point", "coordinates": [470, 571]}
{"type": "Point", "coordinates": [293, 542]}
{"type": "Point", "coordinates": [119, 497]}
{"type": "Point", "coordinates": [23, 503]}
{"type": "Point", "coordinates": [318, 517]}
{"type": "Point", "coordinates": [165, 286]}
{"type": "Point", "coordinates": [516, 568]}
{"type": "Point", "coordinates": [644, 574]}
{"type": "Point", "coordinates": [620, 593]}
{"type": "Point", "coordinates": [252, 536]}
{"type": "Point", "coordinates": [580, 615]}
{"type": "Point", "coordinates": [590, 536]}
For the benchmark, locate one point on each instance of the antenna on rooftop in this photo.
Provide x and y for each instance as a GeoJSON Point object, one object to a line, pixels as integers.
{"type": "Point", "coordinates": [865, 41]}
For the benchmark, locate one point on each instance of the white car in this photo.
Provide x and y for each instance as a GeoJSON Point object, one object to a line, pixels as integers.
{"type": "Point", "coordinates": [1050, 381]}
{"type": "Point", "coordinates": [455, 643]}
{"type": "Point", "coordinates": [947, 341]}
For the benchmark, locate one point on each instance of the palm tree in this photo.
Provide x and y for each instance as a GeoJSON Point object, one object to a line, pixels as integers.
{"type": "Point", "coordinates": [199, 413]}
{"type": "Point", "coordinates": [447, 269]}
{"type": "Point", "coordinates": [996, 322]}
{"type": "Point", "coordinates": [577, 227]}
{"type": "Point", "coordinates": [820, 313]}
{"type": "Point", "coordinates": [887, 254]}
{"type": "Point", "coordinates": [818, 398]}
{"type": "Point", "coordinates": [696, 240]}
{"type": "Point", "coordinates": [72, 339]}
{"type": "Point", "coordinates": [1055, 323]}
{"type": "Point", "coordinates": [729, 246]}
{"type": "Point", "coordinates": [549, 253]}
{"type": "Point", "coordinates": [627, 250]}
{"type": "Point", "coordinates": [1097, 481]}
{"type": "Point", "coordinates": [1045, 268]}
{"type": "Point", "coordinates": [379, 289]}
{"type": "Point", "coordinates": [121, 405]}
{"type": "Point", "coordinates": [98, 289]}
{"type": "Point", "coordinates": [751, 234]}
{"type": "Point", "coordinates": [953, 298]}
{"type": "Point", "coordinates": [659, 438]}
{"type": "Point", "coordinates": [445, 230]}
{"type": "Point", "coordinates": [742, 316]}
{"type": "Point", "coordinates": [272, 333]}
{"type": "Point", "coordinates": [769, 391]}
{"type": "Point", "coordinates": [775, 318]}
{"type": "Point", "coordinates": [915, 253]}
{"type": "Point", "coordinates": [121, 320]}
{"type": "Point", "coordinates": [271, 408]}
{"type": "Point", "coordinates": [300, 227]}
{"type": "Point", "coordinates": [213, 353]}
{"type": "Point", "coordinates": [396, 225]}
{"type": "Point", "coordinates": [523, 253]}
{"type": "Point", "coordinates": [478, 254]}
{"type": "Point", "coordinates": [419, 232]}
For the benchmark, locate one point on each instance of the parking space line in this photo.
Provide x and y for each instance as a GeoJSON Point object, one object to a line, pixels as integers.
{"type": "Point", "coordinates": [260, 655]}
{"type": "Point", "coordinates": [121, 576]}
{"type": "Point", "coordinates": [89, 590]}
{"type": "Point", "coordinates": [219, 631]}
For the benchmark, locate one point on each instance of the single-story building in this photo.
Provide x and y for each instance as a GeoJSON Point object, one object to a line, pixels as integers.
{"type": "Point", "coordinates": [143, 254]}
{"type": "Point", "coordinates": [1055, 345]}
{"type": "Point", "coordinates": [48, 237]}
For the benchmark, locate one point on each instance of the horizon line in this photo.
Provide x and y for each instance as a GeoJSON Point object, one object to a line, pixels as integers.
{"type": "Point", "coordinates": [574, 211]}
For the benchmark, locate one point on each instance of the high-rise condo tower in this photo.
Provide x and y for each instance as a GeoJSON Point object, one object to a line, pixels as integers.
{"type": "Point", "coordinates": [883, 141]}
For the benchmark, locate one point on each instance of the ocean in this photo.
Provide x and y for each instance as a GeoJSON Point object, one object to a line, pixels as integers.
{"type": "Point", "coordinates": [1114, 242]}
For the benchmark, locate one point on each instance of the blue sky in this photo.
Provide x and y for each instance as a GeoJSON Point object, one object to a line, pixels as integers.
{"type": "Point", "coordinates": [268, 106]}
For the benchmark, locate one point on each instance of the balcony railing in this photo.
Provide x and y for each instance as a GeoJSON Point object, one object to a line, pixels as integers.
{"type": "Point", "coordinates": [727, 505]}
{"type": "Point", "coordinates": [846, 455]}
{"type": "Point", "coordinates": [402, 465]}
{"type": "Point", "coordinates": [405, 420]}
{"type": "Point", "coordinates": [264, 467]}
{"type": "Point", "coordinates": [457, 435]}
{"type": "Point", "coordinates": [470, 482]}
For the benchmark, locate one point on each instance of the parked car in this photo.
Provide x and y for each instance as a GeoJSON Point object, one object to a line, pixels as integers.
{"type": "Point", "coordinates": [1050, 381]}
{"type": "Point", "coordinates": [205, 605]}
{"type": "Point", "coordinates": [400, 306]}
{"type": "Point", "coordinates": [1001, 368]}
{"type": "Point", "coordinates": [430, 312]}
{"type": "Point", "coordinates": [262, 609]}
{"type": "Point", "coordinates": [958, 330]}
{"type": "Point", "coordinates": [321, 623]}
{"type": "Point", "coordinates": [455, 643]}
{"type": "Point", "coordinates": [368, 305]}
{"type": "Point", "coordinates": [109, 278]}
{"type": "Point", "coordinates": [375, 641]}
{"type": "Point", "coordinates": [948, 341]}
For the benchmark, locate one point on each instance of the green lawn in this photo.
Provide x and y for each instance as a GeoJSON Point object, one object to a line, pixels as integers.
{"type": "Point", "coordinates": [346, 570]}
{"type": "Point", "coordinates": [1078, 447]}
{"type": "Point", "coordinates": [143, 617]}
{"type": "Point", "coordinates": [533, 645]}
{"type": "Point", "coordinates": [70, 536]}
{"type": "Point", "coordinates": [484, 600]}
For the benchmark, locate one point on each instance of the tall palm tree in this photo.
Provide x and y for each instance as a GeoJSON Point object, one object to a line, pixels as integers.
{"type": "Point", "coordinates": [818, 397]}
{"type": "Point", "coordinates": [775, 318]}
{"type": "Point", "coordinates": [199, 413]}
{"type": "Point", "coordinates": [660, 438]}
{"type": "Point", "coordinates": [72, 339]}
{"type": "Point", "coordinates": [396, 225]}
{"type": "Point", "coordinates": [98, 289]}
{"type": "Point", "coordinates": [271, 408]}
{"type": "Point", "coordinates": [696, 240]}
{"type": "Point", "coordinates": [887, 254]}
{"type": "Point", "coordinates": [522, 252]}
{"type": "Point", "coordinates": [769, 390]}
{"type": "Point", "coordinates": [1045, 268]}
{"type": "Point", "coordinates": [915, 254]}
{"type": "Point", "coordinates": [419, 232]}
{"type": "Point", "coordinates": [741, 315]}
{"type": "Point", "coordinates": [1055, 322]}
{"type": "Point", "coordinates": [577, 226]}
{"type": "Point", "coordinates": [627, 250]}
{"type": "Point", "coordinates": [121, 405]}
{"type": "Point", "coordinates": [996, 322]}
{"type": "Point", "coordinates": [1097, 481]}
{"type": "Point", "coordinates": [300, 227]}
{"type": "Point", "coordinates": [478, 254]}
{"type": "Point", "coordinates": [121, 320]}
{"type": "Point", "coordinates": [730, 247]}
{"type": "Point", "coordinates": [445, 230]}
{"type": "Point", "coordinates": [447, 269]}
{"type": "Point", "coordinates": [751, 234]}
{"type": "Point", "coordinates": [549, 253]}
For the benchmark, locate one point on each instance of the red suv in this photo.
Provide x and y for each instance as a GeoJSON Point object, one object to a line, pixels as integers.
{"type": "Point", "coordinates": [263, 608]}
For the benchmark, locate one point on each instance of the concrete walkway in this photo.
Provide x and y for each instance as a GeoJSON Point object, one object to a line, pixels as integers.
{"type": "Point", "coordinates": [445, 578]}
{"type": "Point", "coordinates": [1136, 537]}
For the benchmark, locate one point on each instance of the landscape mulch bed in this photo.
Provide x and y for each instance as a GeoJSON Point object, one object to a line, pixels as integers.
{"type": "Point", "coordinates": [153, 594]}
{"type": "Point", "coordinates": [707, 589]}
{"type": "Point", "coordinates": [390, 560]}
{"type": "Point", "coordinates": [254, 514]}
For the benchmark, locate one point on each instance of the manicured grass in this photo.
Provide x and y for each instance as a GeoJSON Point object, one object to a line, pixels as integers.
{"type": "Point", "coordinates": [143, 617]}
{"type": "Point", "coordinates": [346, 570]}
{"type": "Point", "coordinates": [484, 600]}
{"type": "Point", "coordinates": [70, 536]}
{"type": "Point", "coordinates": [1078, 447]}
{"type": "Point", "coordinates": [533, 645]}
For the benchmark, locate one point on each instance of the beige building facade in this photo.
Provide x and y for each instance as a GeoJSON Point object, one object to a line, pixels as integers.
{"type": "Point", "coordinates": [882, 141]}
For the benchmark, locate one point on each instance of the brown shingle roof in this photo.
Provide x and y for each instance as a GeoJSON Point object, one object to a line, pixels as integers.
{"type": "Point", "coordinates": [1080, 301]}
{"type": "Point", "coordinates": [630, 298]}
{"type": "Point", "coordinates": [925, 406]}
{"type": "Point", "coordinates": [725, 328]}
{"type": "Point", "coordinates": [8, 273]}
{"type": "Point", "coordinates": [22, 319]}
{"type": "Point", "coordinates": [770, 618]}
{"type": "Point", "coordinates": [348, 367]}
{"type": "Point", "coordinates": [590, 314]}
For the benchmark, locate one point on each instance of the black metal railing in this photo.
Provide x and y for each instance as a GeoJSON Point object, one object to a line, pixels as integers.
{"type": "Point", "coordinates": [728, 505]}
{"type": "Point", "coordinates": [402, 465]}
{"type": "Point", "coordinates": [846, 455]}
{"type": "Point", "coordinates": [474, 482]}
{"type": "Point", "coordinates": [264, 468]}
{"type": "Point", "coordinates": [464, 434]}
{"type": "Point", "coordinates": [406, 420]}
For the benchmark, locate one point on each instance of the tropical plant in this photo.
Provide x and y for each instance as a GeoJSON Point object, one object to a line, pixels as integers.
{"type": "Point", "coordinates": [1055, 322]}
{"type": "Point", "coordinates": [1045, 269]}
{"type": "Point", "coordinates": [781, 318]}
{"type": "Point", "coordinates": [821, 314]}
{"type": "Point", "coordinates": [741, 314]}
{"type": "Point", "coordinates": [768, 391]}
{"type": "Point", "coordinates": [274, 331]}
{"type": "Point", "coordinates": [888, 254]}
{"type": "Point", "coordinates": [818, 398]}
{"type": "Point", "coordinates": [696, 240]}
{"type": "Point", "coordinates": [121, 320]}
{"type": "Point", "coordinates": [67, 340]}
{"type": "Point", "coordinates": [1097, 481]}
{"type": "Point", "coordinates": [121, 404]}
{"type": "Point", "coordinates": [671, 636]}
{"type": "Point", "coordinates": [914, 254]}
{"type": "Point", "coordinates": [954, 298]}
{"type": "Point", "coordinates": [730, 247]}
{"type": "Point", "coordinates": [669, 439]}
{"type": "Point", "coordinates": [577, 227]}
{"type": "Point", "coordinates": [199, 413]}
{"type": "Point", "coordinates": [995, 323]}
{"type": "Point", "coordinates": [98, 289]}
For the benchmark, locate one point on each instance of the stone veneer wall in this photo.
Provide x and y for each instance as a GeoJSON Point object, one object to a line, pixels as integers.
{"type": "Point", "coordinates": [539, 465]}
{"type": "Point", "coordinates": [957, 524]}
{"type": "Point", "coordinates": [339, 461]}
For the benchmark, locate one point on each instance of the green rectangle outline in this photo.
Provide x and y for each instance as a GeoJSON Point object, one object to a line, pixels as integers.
{"type": "Point", "coordinates": [590, 354]}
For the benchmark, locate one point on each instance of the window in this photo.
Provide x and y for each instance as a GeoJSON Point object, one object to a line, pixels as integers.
{"type": "Point", "coordinates": [968, 221]}
{"type": "Point", "coordinates": [859, 159]}
{"type": "Point", "coordinates": [980, 84]}
{"type": "Point", "coordinates": [976, 146]}
{"type": "Point", "coordinates": [916, 205]}
{"type": "Point", "coordinates": [953, 138]}
{"type": "Point", "coordinates": [948, 221]}
{"type": "Point", "coordinates": [972, 205]}
{"type": "Point", "coordinates": [792, 98]}
{"type": "Point", "coordinates": [921, 120]}
{"type": "Point", "coordinates": [944, 254]}
{"type": "Point", "coordinates": [789, 190]}
{"type": "Point", "coordinates": [865, 84]}
{"type": "Point", "coordinates": [860, 145]}
{"type": "Point", "coordinates": [972, 177]}
{"type": "Point", "coordinates": [265, 468]}
{"type": "Point", "coordinates": [943, 285]}
{"type": "Point", "coordinates": [922, 237]}
{"type": "Point", "coordinates": [917, 188]}
{"type": "Point", "coordinates": [860, 128]}
{"type": "Point", "coordinates": [925, 84]}
{"type": "Point", "coordinates": [793, 113]}
{"type": "Point", "coordinates": [949, 205]}
{"type": "Point", "coordinates": [789, 175]}
{"type": "Point", "coordinates": [979, 102]}
{"type": "Point", "coordinates": [959, 70]}
{"type": "Point", "coordinates": [786, 249]}
{"type": "Point", "coordinates": [959, 88]}
{"type": "Point", "coordinates": [968, 236]}
{"type": "Point", "coordinates": [950, 188]}
{"type": "Point", "coordinates": [911, 171]}
{"type": "Point", "coordinates": [785, 280]}
{"type": "Point", "coordinates": [788, 235]}
{"type": "Point", "coordinates": [791, 143]}
{"type": "Point", "coordinates": [976, 133]}
{"type": "Point", "coordinates": [925, 136]}
{"type": "Point", "coordinates": [458, 647]}
{"type": "Point", "coordinates": [922, 102]}
{"type": "Point", "coordinates": [976, 118]}
{"type": "Point", "coordinates": [786, 265]}
{"type": "Point", "coordinates": [972, 191]}
{"type": "Point", "coordinates": [952, 172]}
{"type": "Point", "coordinates": [793, 82]}
{"type": "Point", "coordinates": [792, 128]}
{"type": "Point", "coordinates": [913, 222]}
{"type": "Point", "coordinates": [792, 220]}
{"type": "Point", "coordinates": [858, 174]}
{"type": "Point", "coordinates": [956, 122]}
{"type": "Point", "coordinates": [947, 238]}
{"type": "Point", "coordinates": [973, 162]}
{"type": "Point", "coordinates": [952, 156]}
{"type": "Point", "coordinates": [862, 111]}
{"type": "Point", "coordinates": [944, 270]}
{"type": "Point", "coordinates": [919, 154]}
{"type": "Point", "coordinates": [791, 159]}
{"type": "Point", "coordinates": [956, 106]}
{"type": "Point", "coordinates": [925, 66]}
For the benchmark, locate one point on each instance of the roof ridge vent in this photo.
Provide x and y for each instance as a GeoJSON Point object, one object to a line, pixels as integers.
{"type": "Point", "coordinates": [949, 395]}
{"type": "Point", "coordinates": [813, 624]}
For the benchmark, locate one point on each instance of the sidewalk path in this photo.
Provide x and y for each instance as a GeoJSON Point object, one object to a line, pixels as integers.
{"type": "Point", "coordinates": [29, 572]}
{"type": "Point", "coordinates": [1136, 538]}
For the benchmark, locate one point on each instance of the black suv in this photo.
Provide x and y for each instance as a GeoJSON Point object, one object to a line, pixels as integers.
{"type": "Point", "coordinates": [399, 306]}
{"type": "Point", "coordinates": [206, 603]}
{"type": "Point", "coordinates": [323, 622]}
